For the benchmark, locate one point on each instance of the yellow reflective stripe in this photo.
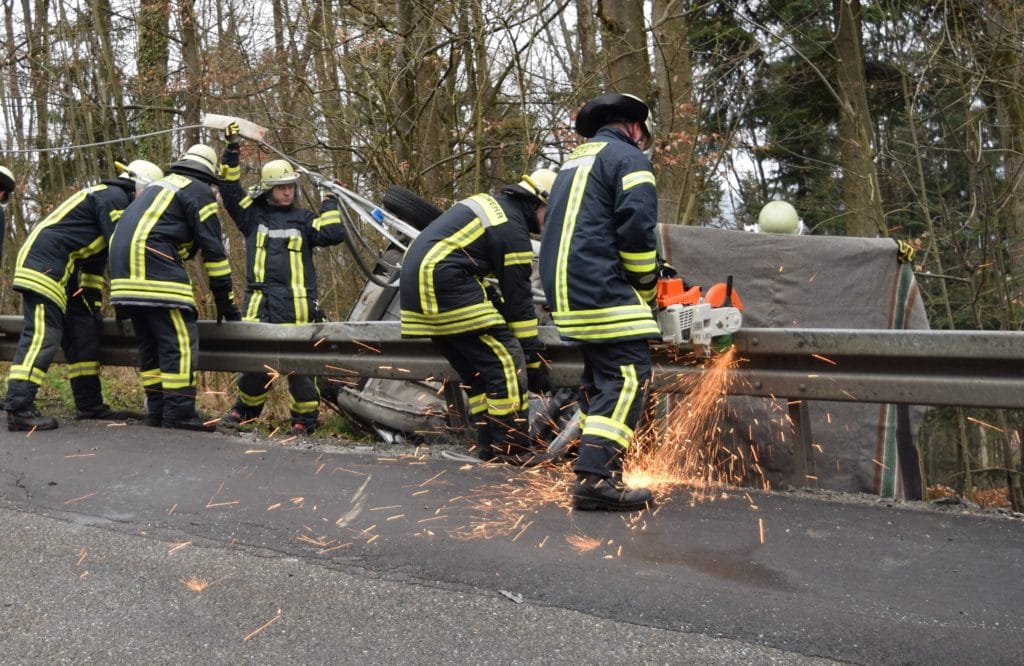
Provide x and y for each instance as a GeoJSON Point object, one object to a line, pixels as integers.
{"type": "Point", "coordinates": [502, 406]}
{"type": "Point", "coordinates": [126, 287]}
{"type": "Point", "coordinates": [53, 218]}
{"type": "Point", "coordinates": [91, 281]}
{"type": "Point", "coordinates": [572, 209]}
{"type": "Point", "coordinates": [460, 239]}
{"type": "Point", "coordinates": [606, 428]}
{"type": "Point", "coordinates": [425, 329]}
{"type": "Point", "coordinates": [245, 202]}
{"type": "Point", "coordinates": [207, 211]}
{"type": "Point", "coordinates": [630, 386]}
{"type": "Point", "coordinates": [259, 261]}
{"type": "Point", "coordinates": [230, 173]}
{"type": "Point", "coordinates": [83, 369]}
{"type": "Point", "coordinates": [39, 332]}
{"type": "Point", "coordinates": [639, 262]}
{"type": "Point", "coordinates": [524, 329]}
{"type": "Point", "coordinates": [517, 258]}
{"type": "Point", "coordinates": [478, 403]}
{"type": "Point", "coordinates": [637, 178]}
{"type": "Point", "coordinates": [150, 377]}
{"type": "Point", "coordinates": [25, 373]}
{"type": "Point", "coordinates": [326, 219]}
{"type": "Point", "coordinates": [298, 272]}
{"type": "Point", "coordinates": [137, 253]}
{"type": "Point", "coordinates": [252, 313]}
{"type": "Point", "coordinates": [252, 400]}
{"type": "Point", "coordinates": [217, 268]}
{"type": "Point", "coordinates": [42, 284]}
{"type": "Point", "coordinates": [115, 215]}
{"type": "Point", "coordinates": [305, 407]}
{"type": "Point", "coordinates": [183, 377]}
{"type": "Point", "coordinates": [589, 149]}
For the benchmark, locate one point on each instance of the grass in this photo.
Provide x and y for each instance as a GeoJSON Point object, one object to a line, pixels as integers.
{"type": "Point", "coordinates": [215, 395]}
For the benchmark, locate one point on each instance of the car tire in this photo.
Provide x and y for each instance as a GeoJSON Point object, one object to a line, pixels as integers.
{"type": "Point", "coordinates": [410, 207]}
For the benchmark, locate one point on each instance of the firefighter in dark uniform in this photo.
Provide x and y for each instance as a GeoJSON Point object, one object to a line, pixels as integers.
{"type": "Point", "coordinates": [599, 271]}
{"type": "Point", "coordinates": [281, 286]}
{"type": "Point", "coordinates": [59, 272]}
{"type": "Point", "coordinates": [489, 339]}
{"type": "Point", "coordinates": [167, 225]}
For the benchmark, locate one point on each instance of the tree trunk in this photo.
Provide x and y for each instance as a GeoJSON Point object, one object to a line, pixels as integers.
{"type": "Point", "coordinates": [861, 193]}
{"type": "Point", "coordinates": [625, 41]}
{"type": "Point", "coordinates": [193, 68]}
{"type": "Point", "coordinates": [676, 126]}
{"type": "Point", "coordinates": [151, 84]}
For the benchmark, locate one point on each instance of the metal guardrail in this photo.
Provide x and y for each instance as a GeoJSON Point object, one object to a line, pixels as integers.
{"type": "Point", "coordinates": [965, 368]}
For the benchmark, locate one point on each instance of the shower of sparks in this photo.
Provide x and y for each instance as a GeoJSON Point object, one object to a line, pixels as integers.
{"type": "Point", "coordinates": [195, 583]}
{"type": "Point", "coordinates": [582, 543]}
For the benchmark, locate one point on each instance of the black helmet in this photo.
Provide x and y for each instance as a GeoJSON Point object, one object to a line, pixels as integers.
{"type": "Point", "coordinates": [598, 111]}
{"type": "Point", "coordinates": [6, 183]}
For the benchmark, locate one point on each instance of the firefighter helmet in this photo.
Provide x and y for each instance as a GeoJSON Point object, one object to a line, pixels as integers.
{"type": "Point", "coordinates": [598, 111]}
{"type": "Point", "coordinates": [199, 159]}
{"type": "Point", "coordinates": [539, 184]}
{"type": "Point", "coordinates": [277, 172]}
{"type": "Point", "coordinates": [143, 172]}
{"type": "Point", "coordinates": [778, 217]}
{"type": "Point", "coordinates": [6, 183]}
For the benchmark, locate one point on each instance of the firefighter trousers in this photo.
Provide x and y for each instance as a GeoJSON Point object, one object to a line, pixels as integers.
{"type": "Point", "coordinates": [613, 392]}
{"type": "Point", "coordinates": [304, 404]}
{"type": "Point", "coordinates": [168, 340]}
{"type": "Point", "coordinates": [492, 368]}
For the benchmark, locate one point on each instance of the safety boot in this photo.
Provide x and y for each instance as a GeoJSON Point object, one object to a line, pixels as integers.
{"type": "Point", "coordinates": [29, 418]}
{"type": "Point", "coordinates": [301, 429]}
{"type": "Point", "coordinates": [103, 412]}
{"type": "Point", "coordinates": [232, 419]}
{"type": "Point", "coordinates": [194, 422]}
{"type": "Point", "coordinates": [601, 493]}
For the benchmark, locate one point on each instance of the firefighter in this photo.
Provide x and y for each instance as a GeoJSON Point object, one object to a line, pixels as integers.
{"type": "Point", "coordinates": [6, 187]}
{"type": "Point", "coordinates": [489, 339]}
{"type": "Point", "coordinates": [598, 269]}
{"type": "Point", "coordinates": [59, 271]}
{"type": "Point", "coordinates": [167, 225]}
{"type": "Point", "coordinates": [281, 285]}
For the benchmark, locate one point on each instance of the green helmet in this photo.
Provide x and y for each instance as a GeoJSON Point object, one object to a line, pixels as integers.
{"type": "Point", "coordinates": [277, 172]}
{"type": "Point", "coordinates": [6, 183]}
{"type": "Point", "coordinates": [778, 217]}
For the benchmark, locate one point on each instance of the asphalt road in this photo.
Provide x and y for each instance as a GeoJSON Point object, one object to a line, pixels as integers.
{"type": "Point", "coordinates": [124, 543]}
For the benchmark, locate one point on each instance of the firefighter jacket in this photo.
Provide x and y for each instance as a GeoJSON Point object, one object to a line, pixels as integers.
{"type": "Point", "coordinates": [167, 224]}
{"type": "Point", "coordinates": [281, 286]}
{"type": "Point", "coordinates": [443, 289]}
{"type": "Point", "coordinates": [74, 236]}
{"type": "Point", "coordinates": [598, 260]}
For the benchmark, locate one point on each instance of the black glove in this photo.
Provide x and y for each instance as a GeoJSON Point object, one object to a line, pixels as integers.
{"type": "Point", "coordinates": [233, 135]}
{"type": "Point", "coordinates": [226, 308]}
{"type": "Point", "coordinates": [538, 379]}
{"type": "Point", "coordinates": [665, 269]}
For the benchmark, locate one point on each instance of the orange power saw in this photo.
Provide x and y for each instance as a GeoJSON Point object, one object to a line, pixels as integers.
{"type": "Point", "coordinates": [685, 317]}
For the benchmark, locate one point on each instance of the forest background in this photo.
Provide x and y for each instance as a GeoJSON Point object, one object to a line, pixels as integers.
{"type": "Point", "coordinates": [900, 118]}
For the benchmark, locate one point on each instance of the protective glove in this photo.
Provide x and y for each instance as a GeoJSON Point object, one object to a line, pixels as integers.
{"type": "Point", "coordinates": [233, 135]}
{"type": "Point", "coordinates": [665, 269]}
{"type": "Point", "coordinates": [538, 378]}
{"type": "Point", "coordinates": [905, 252]}
{"type": "Point", "coordinates": [226, 308]}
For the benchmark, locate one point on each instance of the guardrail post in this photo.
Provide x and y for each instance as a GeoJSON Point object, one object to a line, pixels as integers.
{"type": "Point", "coordinates": [803, 473]}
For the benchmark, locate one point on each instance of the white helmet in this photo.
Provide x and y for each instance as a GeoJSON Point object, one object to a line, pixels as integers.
{"type": "Point", "coordinates": [277, 172]}
{"type": "Point", "coordinates": [143, 172]}
{"type": "Point", "coordinates": [539, 184]}
{"type": "Point", "coordinates": [779, 217]}
{"type": "Point", "coordinates": [6, 183]}
{"type": "Point", "coordinates": [200, 158]}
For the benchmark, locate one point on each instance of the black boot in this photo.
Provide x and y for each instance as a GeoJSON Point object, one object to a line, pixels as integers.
{"type": "Point", "coordinates": [600, 493]}
{"type": "Point", "coordinates": [29, 419]}
{"type": "Point", "coordinates": [105, 413]}
{"type": "Point", "coordinates": [194, 422]}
